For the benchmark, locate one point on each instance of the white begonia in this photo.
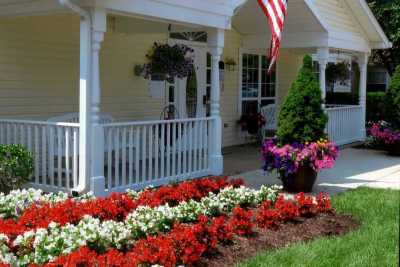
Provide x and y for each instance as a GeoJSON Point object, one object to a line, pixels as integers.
{"type": "Point", "coordinates": [56, 240]}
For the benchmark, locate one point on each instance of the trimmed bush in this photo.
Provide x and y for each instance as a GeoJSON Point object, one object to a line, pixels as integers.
{"type": "Point", "coordinates": [392, 100]}
{"type": "Point", "coordinates": [375, 106]}
{"type": "Point", "coordinates": [16, 167]}
{"type": "Point", "coordinates": [301, 118]}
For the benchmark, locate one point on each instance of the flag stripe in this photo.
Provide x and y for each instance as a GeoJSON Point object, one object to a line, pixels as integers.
{"type": "Point", "coordinates": [275, 11]}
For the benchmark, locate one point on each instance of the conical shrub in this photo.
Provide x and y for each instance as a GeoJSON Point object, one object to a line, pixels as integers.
{"type": "Point", "coordinates": [301, 117]}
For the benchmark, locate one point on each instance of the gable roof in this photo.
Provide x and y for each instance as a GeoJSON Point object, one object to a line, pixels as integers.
{"type": "Point", "coordinates": [369, 24]}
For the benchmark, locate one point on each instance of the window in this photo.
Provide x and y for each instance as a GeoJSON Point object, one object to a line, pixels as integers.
{"type": "Point", "coordinates": [258, 87]}
{"type": "Point", "coordinates": [200, 36]}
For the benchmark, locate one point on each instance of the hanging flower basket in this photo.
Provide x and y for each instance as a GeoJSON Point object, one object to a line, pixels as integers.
{"type": "Point", "coordinates": [337, 72]}
{"type": "Point", "coordinates": [165, 62]}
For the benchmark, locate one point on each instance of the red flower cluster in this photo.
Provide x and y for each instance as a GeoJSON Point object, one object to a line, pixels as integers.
{"type": "Point", "coordinates": [241, 221]}
{"type": "Point", "coordinates": [269, 216]}
{"type": "Point", "coordinates": [115, 207]}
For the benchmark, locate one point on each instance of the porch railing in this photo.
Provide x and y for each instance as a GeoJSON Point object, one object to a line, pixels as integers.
{"type": "Point", "coordinates": [138, 154]}
{"type": "Point", "coordinates": [345, 124]}
{"type": "Point", "coordinates": [54, 147]}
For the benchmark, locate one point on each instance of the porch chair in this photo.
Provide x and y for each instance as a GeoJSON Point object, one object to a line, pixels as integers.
{"type": "Point", "coordinates": [270, 114]}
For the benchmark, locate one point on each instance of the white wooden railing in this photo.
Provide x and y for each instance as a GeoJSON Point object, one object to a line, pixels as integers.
{"type": "Point", "coordinates": [54, 147]}
{"type": "Point", "coordinates": [138, 154]}
{"type": "Point", "coordinates": [345, 124]}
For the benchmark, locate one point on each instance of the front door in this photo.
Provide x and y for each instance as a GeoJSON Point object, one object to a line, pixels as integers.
{"type": "Point", "coordinates": [189, 95]}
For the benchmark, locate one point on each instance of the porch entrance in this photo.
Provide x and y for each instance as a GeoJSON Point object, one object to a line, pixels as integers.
{"type": "Point", "coordinates": [190, 96]}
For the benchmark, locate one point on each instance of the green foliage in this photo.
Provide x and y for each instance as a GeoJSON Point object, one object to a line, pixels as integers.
{"type": "Point", "coordinates": [387, 13]}
{"type": "Point", "coordinates": [15, 167]}
{"type": "Point", "coordinates": [375, 106]}
{"type": "Point", "coordinates": [392, 100]}
{"type": "Point", "coordinates": [301, 118]}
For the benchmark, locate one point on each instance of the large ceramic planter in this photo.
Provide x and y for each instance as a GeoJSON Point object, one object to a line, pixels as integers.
{"type": "Point", "coordinates": [301, 181]}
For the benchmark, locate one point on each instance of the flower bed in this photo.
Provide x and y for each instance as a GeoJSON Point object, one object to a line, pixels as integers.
{"type": "Point", "coordinates": [382, 134]}
{"type": "Point", "coordinates": [169, 226]}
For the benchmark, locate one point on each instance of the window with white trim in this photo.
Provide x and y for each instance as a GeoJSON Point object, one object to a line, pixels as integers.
{"type": "Point", "coordinates": [258, 87]}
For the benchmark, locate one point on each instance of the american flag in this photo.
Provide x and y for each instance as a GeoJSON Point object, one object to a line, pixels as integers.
{"type": "Point", "coordinates": [276, 11]}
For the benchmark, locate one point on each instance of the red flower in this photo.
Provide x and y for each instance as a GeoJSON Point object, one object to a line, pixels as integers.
{"type": "Point", "coordinates": [241, 221]}
{"type": "Point", "coordinates": [268, 217]}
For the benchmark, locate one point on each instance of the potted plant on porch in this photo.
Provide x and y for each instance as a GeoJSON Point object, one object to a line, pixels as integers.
{"type": "Point", "coordinates": [300, 148]}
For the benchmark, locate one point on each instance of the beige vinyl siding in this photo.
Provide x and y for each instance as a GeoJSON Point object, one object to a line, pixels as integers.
{"type": "Point", "coordinates": [337, 16]}
{"type": "Point", "coordinates": [39, 66]}
{"type": "Point", "coordinates": [39, 70]}
{"type": "Point", "coordinates": [289, 64]}
{"type": "Point", "coordinates": [230, 92]}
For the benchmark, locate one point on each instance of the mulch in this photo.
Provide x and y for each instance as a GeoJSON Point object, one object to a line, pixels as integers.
{"type": "Point", "coordinates": [305, 229]}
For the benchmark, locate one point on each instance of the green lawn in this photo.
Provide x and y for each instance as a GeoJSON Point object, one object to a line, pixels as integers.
{"type": "Point", "coordinates": [376, 243]}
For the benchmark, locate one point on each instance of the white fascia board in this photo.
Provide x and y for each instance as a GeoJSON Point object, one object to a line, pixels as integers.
{"type": "Point", "coordinates": [314, 11]}
{"type": "Point", "coordinates": [348, 41]}
{"type": "Point", "coordinates": [190, 12]}
{"type": "Point", "coordinates": [385, 41]}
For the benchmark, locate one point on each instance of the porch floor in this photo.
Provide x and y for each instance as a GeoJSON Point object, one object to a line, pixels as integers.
{"type": "Point", "coordinates": [355, 167]}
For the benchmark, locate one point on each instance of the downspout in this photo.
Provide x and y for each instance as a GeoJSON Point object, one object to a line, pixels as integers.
{"type": "Point", "coordinates": [84, 95]}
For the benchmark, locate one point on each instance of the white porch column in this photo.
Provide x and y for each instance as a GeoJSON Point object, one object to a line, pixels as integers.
{"type": "Point", "coordinates": [323, 56]}
{"type": "Point", "coordinates": [363, 63]}
{"type": "Point", "coordinates": [99, 27]}
{"type": "Point", "coordinates": [216, 46]}
{"type": "Point", "coordinates": [84, 105]}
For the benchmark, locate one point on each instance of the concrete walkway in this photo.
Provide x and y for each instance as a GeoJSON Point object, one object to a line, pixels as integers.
{"type": "Point", "coordinates": [354, 167]}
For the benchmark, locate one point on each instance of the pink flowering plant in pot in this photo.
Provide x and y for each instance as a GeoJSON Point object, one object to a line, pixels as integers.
{"type": "Point", "coordinates": [300, 149]}
{"type": "Point", "coordinates": [298, 164]}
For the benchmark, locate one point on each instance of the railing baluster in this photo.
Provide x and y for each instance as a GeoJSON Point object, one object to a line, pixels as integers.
{"type": "Point", "coordinates": [75, 157]}
{"type": "Point", "coordinates": [37, 154]}
{"type": "Point", "coordinates": [168, 150]}
{"type": "Point", "coordinates": [67, 154]}
{"type": "Point", "coordinates": [185, 137]}
{"type": "Point", "coordinates": [59, 155]}
{"type": "Point", "coordinates": [162, 150]}
{"type": "Point", "coordinates": [195, 146]}
{"type": "Point", "coordinates": [124, 136]}
{"type": "Point", "coordinates": [201, 136]}
{"type": "Point", "coordinates": [51, 155]}
{"type": "Point", "coordinates": [150, 144]}
{"type": "Point", "coordinates": [144, 165]}
{"type": "Point", "coordinates": [109, 157]}
{"type": "Point", "coordinates": [190, 136]}
{"type": "Point", "coordinates": [179, 140]}
{"type": "Point", "coordinates": [130, 155]}
{"type": "Point", "coordinates": [44, 155]}
{"type": "Point", "coordinates": [116, 159]}
{"type": "Point", "coordinates": [137, 155]}
{"type": "Point", "coordinates": [156, 151]}
{"type": "Point", "coordinates": [173, 173]}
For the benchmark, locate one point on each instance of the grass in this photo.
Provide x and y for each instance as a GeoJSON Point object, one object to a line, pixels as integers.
{"type": "Point", "coordinates": [376, 243]}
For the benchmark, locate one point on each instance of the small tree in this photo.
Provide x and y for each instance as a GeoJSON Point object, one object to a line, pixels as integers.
{"type": "Point", "coordinates": [301, 118]}
{"type": "Point", "coordinates": [392, 100]}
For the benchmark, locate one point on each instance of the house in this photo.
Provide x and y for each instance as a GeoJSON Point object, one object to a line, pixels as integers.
{"type": "Point", "coordinates": [69, 93]}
